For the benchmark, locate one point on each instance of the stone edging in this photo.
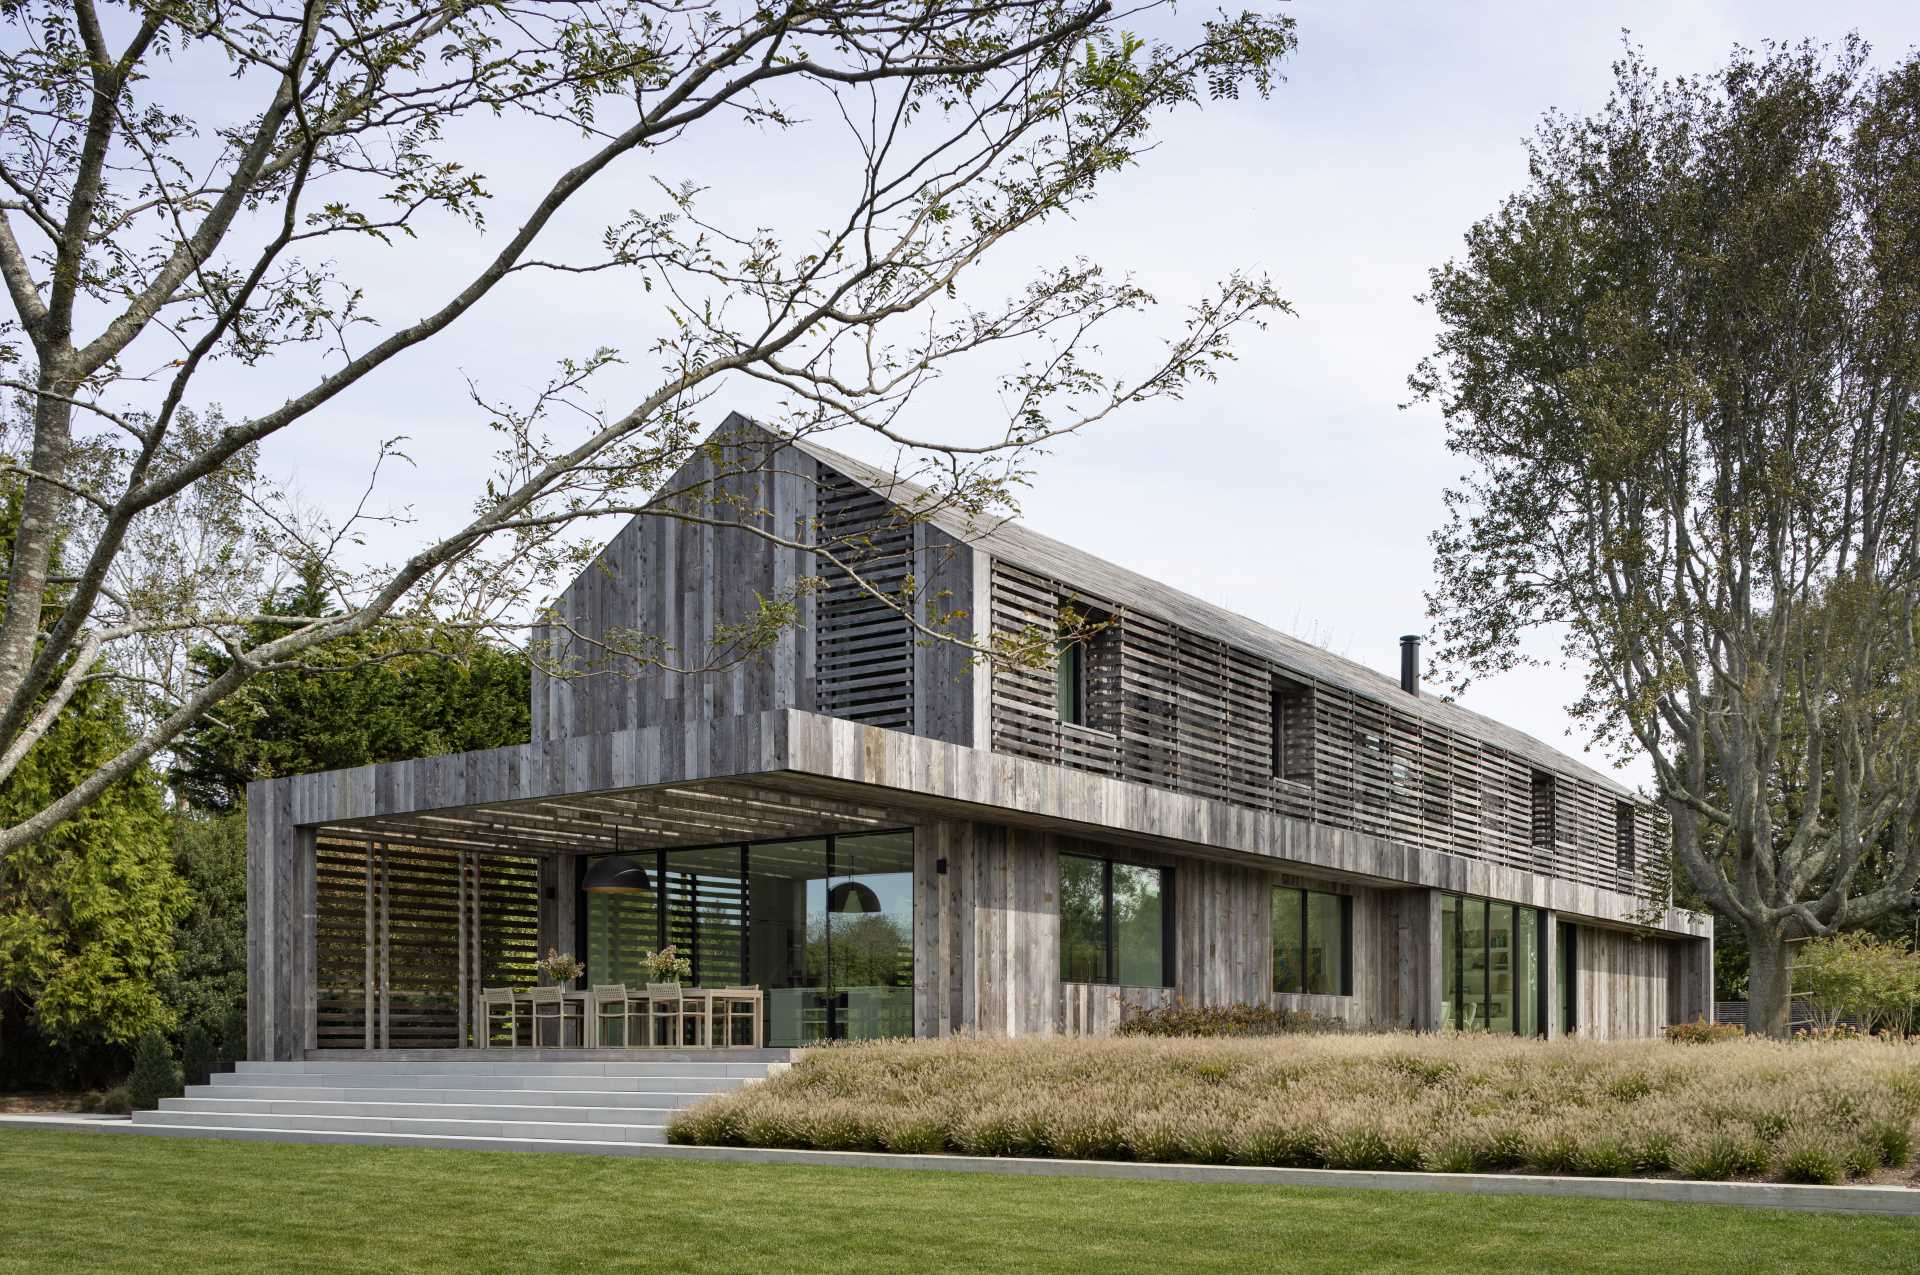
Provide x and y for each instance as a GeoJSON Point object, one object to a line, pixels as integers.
{"type": "Point", "coordinates": [1883, 1201]}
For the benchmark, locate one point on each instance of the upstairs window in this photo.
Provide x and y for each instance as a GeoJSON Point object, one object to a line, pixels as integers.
{"type": "Point", "coordinates": [1292, 731]}
{"type": "Point", "coordinates": [1116, 922]}
{"type": "Point", "coordinates": [1086, 660]}
{"type": "Point", "coordinates": [1544, 832]}
{"type": "Point", "coordinates": [1624, 851]}
{"type": "Point", "coordinates": [1070, 683]}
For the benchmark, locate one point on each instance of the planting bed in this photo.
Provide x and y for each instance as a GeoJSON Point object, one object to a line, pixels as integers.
{"type": "Point", "coordinates": [1806, 1112]}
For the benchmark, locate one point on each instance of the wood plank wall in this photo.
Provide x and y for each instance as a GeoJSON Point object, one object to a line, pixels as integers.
{"type": "Point", "coordinates": [1179, 710]}
{"type": "Point", "coordinates": [850, 655]}
{"type": "Point", "coordinates": [986, 931]}
{"type": "Point", "coordinates": [987, 938]}
{"type": "Point", "coordinates": [1624, 987]}
{"type": "Point", "coordinates": [677, 581]}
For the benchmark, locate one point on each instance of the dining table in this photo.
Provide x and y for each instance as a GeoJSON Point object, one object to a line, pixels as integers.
{"type": "Point", "coordinates": [706, 997]}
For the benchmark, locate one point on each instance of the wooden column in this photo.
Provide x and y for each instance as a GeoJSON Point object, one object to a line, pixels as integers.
{"type": "Point", "coordinates": [461, 981]}
{"type": "Point", "coordinates": [280, 920]}
{"type": "Point", "coordinates": [306, 940]}
{"type": "Point", "coordinates": [369, 983]}
{"type": "Point", "coordinates": [1551, 973]}
{"type": "Point", "coordinates": [385, 972]}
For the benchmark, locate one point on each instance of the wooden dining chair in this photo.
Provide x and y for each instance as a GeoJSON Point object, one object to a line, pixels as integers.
{"type": "Point", "coordinates": [732, 1005]}
{"type": "Point", "coordinates": [666, 1005]}
{"type": "Point", "coordinates": [636, 1013]}
{"type": "Point", "coordinates": [492, 1001]}
{"type": "Point", "coordinates": [607, 1006]}
{"type": "Point", "coordinates": [550, 1005]}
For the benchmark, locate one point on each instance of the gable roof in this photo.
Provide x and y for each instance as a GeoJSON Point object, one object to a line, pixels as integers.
{"type": "Point", "coordinates": [1010, 541]}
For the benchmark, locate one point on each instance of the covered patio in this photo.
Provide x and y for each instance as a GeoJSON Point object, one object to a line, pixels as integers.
{"type": "Point", "coordinates": [421, 919]}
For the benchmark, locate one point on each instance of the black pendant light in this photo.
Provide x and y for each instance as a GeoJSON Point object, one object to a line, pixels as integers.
{"type": "Point", "coordinates": [616, 874]}
{"type": "Point", "coordinates": [852, 896]}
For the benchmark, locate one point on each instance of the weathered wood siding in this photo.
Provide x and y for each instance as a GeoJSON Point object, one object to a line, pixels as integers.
{"type": "Point", "coordinates": [987, 938]}
{"type": "Point", "coordinates": [676, 582]}
{"type": "Point", "coordinates": [1625, 988]}
{"type": "Point", "coordinates": [1181, 710]}
{"type": "Point", "coordinates": [986, 931]}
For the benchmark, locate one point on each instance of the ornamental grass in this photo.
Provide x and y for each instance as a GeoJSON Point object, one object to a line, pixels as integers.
{"type": "Point", "coordinates": [1790, 1112]}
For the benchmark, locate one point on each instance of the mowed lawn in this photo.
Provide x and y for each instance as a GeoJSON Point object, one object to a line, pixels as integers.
{"type": "Point", "coordinates": [105, 1202]}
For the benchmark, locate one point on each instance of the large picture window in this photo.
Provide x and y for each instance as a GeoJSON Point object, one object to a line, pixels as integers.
{"type": "Point", "coordinates": [1312, 951]}
{"type": "Point", "coordinates": [1116, 922]}
{"type": "Point", "coordinates": [824, 925]}
{"type": "Point", "coordinates": [1490, 967]}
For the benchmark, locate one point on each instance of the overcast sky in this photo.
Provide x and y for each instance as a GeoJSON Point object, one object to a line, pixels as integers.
{"type": "Point", "coordinates": [1295, 490]}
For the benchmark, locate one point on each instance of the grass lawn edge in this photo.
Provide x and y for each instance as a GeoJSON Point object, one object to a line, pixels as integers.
{"type": "Point", "coordinates": [1862, 1198]}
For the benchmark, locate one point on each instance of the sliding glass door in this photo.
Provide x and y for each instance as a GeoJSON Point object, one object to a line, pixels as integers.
{"type": "Point", "coordinates": [1490, 967]}
{"type": "Point", "coordinates": [869, 934]}
{"type": "Point", "coordinates": [823, 925]}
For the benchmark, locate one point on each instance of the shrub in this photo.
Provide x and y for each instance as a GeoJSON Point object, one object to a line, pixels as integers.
{"type": "Point", "coordinates": [1876, 981]}
{"type": "Point", "coordinates": [1810, 1159]}
{"type": "Point", "coordinates": [1702, 1032]}
{"type": "Point", "coordinates": [116, 1101]}
{"type": "Point", "coordinates": [154, 1075]}
{"type": "Point", "coordinates": [1182, 1019]}
{"type": "Point", "coordinates": [1829, 1031]}
{"type": "Point", "coordinates": [197, 1054]}
{"type": "Point", "coordinates": [110, 1102]}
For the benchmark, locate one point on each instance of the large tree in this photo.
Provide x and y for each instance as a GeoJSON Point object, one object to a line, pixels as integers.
{"type": "Point", "coordinates": [87, 913]}
{"type": "Point", "coordinates": [1682, 362]}
{"type": "Point", "coordinates": [153, 227]}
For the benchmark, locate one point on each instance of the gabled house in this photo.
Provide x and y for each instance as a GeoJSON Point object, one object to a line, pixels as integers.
{"type": "Point", "coordinates": [889, 838]}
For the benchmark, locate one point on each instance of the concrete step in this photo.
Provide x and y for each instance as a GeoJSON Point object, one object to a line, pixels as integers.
{"type": "Point", "coordinates": [544, 1130]}
{"type": "Point", "coordinates": [464, 1096]}
{"type": "Point", "coordinates": [514, 1067]}
{"type": "Point", "coordinates": [649, 1116]}
{"type": "Point", "coordinates": [557, 1081]}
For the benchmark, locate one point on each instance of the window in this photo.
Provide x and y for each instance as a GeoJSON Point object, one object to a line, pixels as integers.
{"type": "Point", "coordinates": [1292, 731]}
{"type": "Point", "coordinates": [1623, 848]}
{"type": "Point", "coordinates": [1311, 948]}
{"type": "Point", "coordinates": [1490, 971]}
{"type": "Point", "coordinates": [1116, 922]}
{"type": "Point", "coordinates": [823, 924]}
{"type": "Point", "coordinates": [1543, 829]}
{"type": "Point", "coordinates": [1070, 683]}
{"type": "Point", "coordinates": [1566, 970]}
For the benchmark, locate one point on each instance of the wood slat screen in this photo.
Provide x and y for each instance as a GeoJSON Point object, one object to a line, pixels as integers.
{"type": "Point", "coordinates": [707, 918]}
{"type": "Point", "coordinates": [403, 930]}
{"type": "Point", "coordinates": [863, 648]}
{"type": "Point", "coordinates": [1177, 709]}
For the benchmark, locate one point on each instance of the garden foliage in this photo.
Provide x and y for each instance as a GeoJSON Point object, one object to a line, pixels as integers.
{"type": "Point", "coordinates": [1449, 1104]}
{"type": "Point", "coordinates": [1183, 1019]}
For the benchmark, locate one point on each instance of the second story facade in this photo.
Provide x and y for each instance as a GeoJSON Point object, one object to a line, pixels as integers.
{"type": "Point", "coordinates": [1165, 690]}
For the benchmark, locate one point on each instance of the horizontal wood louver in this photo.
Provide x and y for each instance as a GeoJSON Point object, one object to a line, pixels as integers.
{"type": "Point", "coordinates": [1177, 709]}
{"type": "Point", "coordinates": [706, 921]}
{"type": "Point", "coordinates": [402, 930]}
{"type": "Point", "coordinates": [863, 648]}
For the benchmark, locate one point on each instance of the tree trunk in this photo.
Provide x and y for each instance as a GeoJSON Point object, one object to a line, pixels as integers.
{"type": "Point", "coordinates": [1769, 986]}
{"type": "Point", "coordinates": [42, 514]}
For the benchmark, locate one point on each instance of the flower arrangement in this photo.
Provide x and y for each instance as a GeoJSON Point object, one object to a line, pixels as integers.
{"type": "Point", "coordinates": [666, 965]}
{"type": "Point", "coordinates": [560, 966]}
